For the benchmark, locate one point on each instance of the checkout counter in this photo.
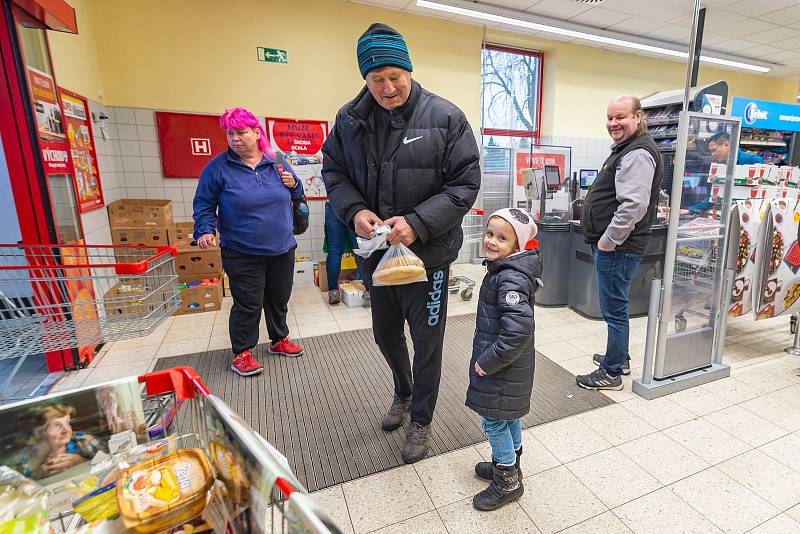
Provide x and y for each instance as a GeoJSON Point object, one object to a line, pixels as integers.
{"type": "Point", "coordinates": [582, 286]}
{"type": "Point", "coordinates": [568, 266]}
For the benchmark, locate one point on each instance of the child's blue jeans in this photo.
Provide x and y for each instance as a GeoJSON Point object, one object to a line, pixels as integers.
{"type": "Point", "coordinates": [505, 436]}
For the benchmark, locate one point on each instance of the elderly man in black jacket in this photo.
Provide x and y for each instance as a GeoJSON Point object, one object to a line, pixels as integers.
{"type": "Point", "coordinates": [402, 156]}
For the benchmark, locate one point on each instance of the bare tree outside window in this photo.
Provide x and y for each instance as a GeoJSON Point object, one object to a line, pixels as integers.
{"type": "Point", "coordinates": [510, 87]}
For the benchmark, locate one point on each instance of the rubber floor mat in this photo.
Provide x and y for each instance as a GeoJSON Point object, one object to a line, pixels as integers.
{"type": "Point", "coordinates": [323, 410]}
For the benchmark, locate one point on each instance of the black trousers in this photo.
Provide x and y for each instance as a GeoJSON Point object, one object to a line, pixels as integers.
{"type": "Point", "coordinates": [424, 306]}
{"type": "Point", "coordinates": [258, 283]}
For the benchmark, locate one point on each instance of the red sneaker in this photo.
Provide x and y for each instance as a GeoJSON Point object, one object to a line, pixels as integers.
{"type": "Point", "coordinates": [245, 365]}
{"type": "Point", "coordinates": [285, 347]}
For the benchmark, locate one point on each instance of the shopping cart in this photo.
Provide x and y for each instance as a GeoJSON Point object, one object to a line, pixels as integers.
{"type": "Point", "coordinates": [472, 228]}
{"type": "Point", "coordinates": [57, 297]}
{"type": "Point", "coordinates": [255, 489]}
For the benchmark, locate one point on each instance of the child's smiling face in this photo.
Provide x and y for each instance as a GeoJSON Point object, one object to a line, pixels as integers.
{"type": "Point", "coordinates": [499, 241]}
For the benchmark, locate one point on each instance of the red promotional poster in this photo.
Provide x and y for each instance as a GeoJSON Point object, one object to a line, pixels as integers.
{"type": "Point", "coordinates": [45, 106]}
{"type": "Point", "coordinates": [537, 160]}
{"type": "Point", "coordinates": [81, 145]}
{"type": "Point", "coordinates": [55, 157]}
{"type": "Point", "coordinates": [303, 137]}
{"type": "Point", "coordinates": [188, 141]}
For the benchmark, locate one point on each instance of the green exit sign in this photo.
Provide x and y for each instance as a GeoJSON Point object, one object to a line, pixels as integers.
{"type": "Point", "coordinates": [272, 55]}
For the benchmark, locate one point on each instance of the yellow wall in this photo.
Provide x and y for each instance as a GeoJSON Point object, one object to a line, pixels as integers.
{"type": "Point", "coordinates": [200, 55]}
{"type": "Point", "coordinates": [75, 57]}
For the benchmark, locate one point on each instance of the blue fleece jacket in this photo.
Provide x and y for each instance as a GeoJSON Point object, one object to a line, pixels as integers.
{"type": "Point", "coordinates": [251, 208]}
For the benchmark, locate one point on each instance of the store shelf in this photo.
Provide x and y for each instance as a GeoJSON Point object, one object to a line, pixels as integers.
{"type": "Point", "coordinates": [658, 121]}
{"type": "Point", "coordinates": [753, 142]}
{"type": "Point", "coordinates": [657, 136]}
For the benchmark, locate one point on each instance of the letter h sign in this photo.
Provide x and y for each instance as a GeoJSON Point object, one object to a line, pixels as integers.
{"type": "Point", "coordinates": [201, 146]}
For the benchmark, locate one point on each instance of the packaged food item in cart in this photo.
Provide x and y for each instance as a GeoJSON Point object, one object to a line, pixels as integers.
{"type": "Point", "coordinates": [229, 470]}
{"type": "Point", "coordinates": [399, 266]}
{"type": "Point", "coordinates": [164, 492]}
{"type": "Point", "coordinates": [94, 497]}
{"type": "Point", "coordinates": [23, 504]}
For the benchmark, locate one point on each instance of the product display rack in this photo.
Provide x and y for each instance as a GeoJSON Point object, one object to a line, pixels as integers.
{"type": "Point", "coordinates": [778, 147]}
{"type": "Point", "coordinates": [662, 111]}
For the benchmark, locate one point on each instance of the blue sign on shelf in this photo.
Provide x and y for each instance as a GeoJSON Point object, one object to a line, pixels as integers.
{"type": "Point", "coordinates": [766, 115]}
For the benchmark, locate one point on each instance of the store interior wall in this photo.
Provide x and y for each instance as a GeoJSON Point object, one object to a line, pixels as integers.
{"type": "Point", "coordinates": [200, 56]}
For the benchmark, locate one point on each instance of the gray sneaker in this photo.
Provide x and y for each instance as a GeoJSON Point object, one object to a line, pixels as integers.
{"type": "Point", "coordinates": [418, 441]}
{"type": "Point", "coordinates": [599, 379]}
{"type": "Point", "coordinates": [396, 415]}
{"type": "Point", "coordinates": [333, 297]}
{"type": "Point", "coordinates": [626, 366]}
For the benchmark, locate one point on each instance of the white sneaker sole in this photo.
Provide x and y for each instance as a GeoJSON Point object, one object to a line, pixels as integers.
{"type": "Point", "coordinates": [600, 388]}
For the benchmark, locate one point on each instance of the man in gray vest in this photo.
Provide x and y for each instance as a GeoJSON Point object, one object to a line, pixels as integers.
{"type": "Point", "coordinates": [616, 220]}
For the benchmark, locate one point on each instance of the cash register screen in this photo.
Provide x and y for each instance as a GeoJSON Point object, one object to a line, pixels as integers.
{"type": "Point", "coordinates": [552, 177]}
{"type": "Point", "coordinates": [588, 177]}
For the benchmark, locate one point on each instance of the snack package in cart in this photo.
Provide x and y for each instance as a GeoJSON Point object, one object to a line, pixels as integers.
{"type": "Point", "coordinates": [23, 504]}
{"type": "Point", "coordinates": [398, 267]}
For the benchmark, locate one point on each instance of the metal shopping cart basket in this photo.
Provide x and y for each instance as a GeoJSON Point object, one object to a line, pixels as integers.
{"type": "Point", "coordinates": [252, 488]}
{"type": "Point", "coordinates": [56, 297]}
{"type": "Point", "coordinates": [472, 228]}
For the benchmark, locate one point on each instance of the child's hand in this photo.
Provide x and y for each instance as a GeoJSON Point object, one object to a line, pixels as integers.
{"type": "Point", "coordinates": [478, 370]}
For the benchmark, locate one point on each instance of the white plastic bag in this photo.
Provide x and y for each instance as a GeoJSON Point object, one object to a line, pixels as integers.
{"type": "Point", "coordinates": [377, 241]}
{"type": "Point", "coordinates": [398, 267]}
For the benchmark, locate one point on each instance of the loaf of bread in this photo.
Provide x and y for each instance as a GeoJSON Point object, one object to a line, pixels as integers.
{"type": "Point", "coordinates": [399, 270]}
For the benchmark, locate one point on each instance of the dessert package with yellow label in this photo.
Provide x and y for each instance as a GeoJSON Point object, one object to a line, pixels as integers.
{"type": "Point", "coordinates": [164, 492]}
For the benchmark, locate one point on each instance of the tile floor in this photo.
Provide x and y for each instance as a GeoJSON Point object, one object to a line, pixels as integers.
{"type": "Point", "coordinates": [718, 458]}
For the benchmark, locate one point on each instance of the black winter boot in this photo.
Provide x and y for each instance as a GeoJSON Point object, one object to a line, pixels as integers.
{"type": "Point", "coordinates": [506, 486]}
{"type": "Point", "coordinates": [485, 470]}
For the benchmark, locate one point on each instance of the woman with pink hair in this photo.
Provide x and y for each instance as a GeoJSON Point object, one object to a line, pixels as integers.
{"type": "Point", "coordinates": [246, 195]}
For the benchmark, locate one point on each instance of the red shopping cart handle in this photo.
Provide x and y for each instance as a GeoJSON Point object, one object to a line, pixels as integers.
{"type": "Point", "coordinates": [183, 381]}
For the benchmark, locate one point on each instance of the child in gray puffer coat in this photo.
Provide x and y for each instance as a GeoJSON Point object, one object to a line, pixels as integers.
{"type": "Point", "coordinates": [501, 369]}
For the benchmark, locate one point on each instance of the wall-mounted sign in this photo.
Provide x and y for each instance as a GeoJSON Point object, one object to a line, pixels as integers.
{"type": "Point", "coordinates": [537, 160]}
{"type": "Point", "coordinates": [766, 115]}
{"type": "Point", "coordinates": [81, 145]}
{"type": "Point", "coordinates": [188, 141]}
{"type": "Point", "coordinates": [272, 55]}
{"type": "Point", "coordinates": [303, 137]}
{"type": "Point", "coordinates": [302, 141]}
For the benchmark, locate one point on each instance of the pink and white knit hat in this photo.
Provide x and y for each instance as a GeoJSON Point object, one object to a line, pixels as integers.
{"type": "Point", "coordinates": [522, 222]}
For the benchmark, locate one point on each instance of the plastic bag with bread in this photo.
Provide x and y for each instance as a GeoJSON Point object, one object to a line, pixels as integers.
{"type": "Point", "coordinates": [399, 266]}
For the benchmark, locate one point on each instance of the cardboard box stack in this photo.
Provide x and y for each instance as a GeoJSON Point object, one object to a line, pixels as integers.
{"type": "Point", "coordinates": [140, 221]}
{"type": "Point", "coordinates": [200, 278]}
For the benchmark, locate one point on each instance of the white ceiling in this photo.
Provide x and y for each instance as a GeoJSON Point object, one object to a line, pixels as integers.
{"type": "Point", "coordinates": [765, 31]}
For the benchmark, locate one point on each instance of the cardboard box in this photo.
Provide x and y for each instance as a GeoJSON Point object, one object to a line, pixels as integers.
{"type": "Point", "coordinates": [150, 236]}
{"type": "Point", "coordinates": [181, 234]}
{"type": "Point", "coordinates": [200, 298]}
{"type": "Point", "coordinates": [194, 261]}
{"type": "Point", "coordinates": [122, 300]}
{"type": "Point", "coordinates": [352, 293]}
{"type": "Point", "coordinates": [133, 212]}
{"type": "Point", "coordinates": [321, 278]}
{"type": "Point", "coordinates": [226, 285]}
{"type": "Point", "coordinates": [303, 272]}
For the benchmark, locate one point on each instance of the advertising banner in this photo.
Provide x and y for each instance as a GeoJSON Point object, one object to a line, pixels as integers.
{"type": "Point", "coordinates": [537, 160]}
{"type": "Point", "coordinates": [81, 145]}
{"type": "Point", "coordinates": [188, 141]}
{"type": "Point", "coordinates": [766, 115]}
{"type": "Point", "coordinates": [49, 121]}
{"type": "Point", "coordinates": [303, 137]}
